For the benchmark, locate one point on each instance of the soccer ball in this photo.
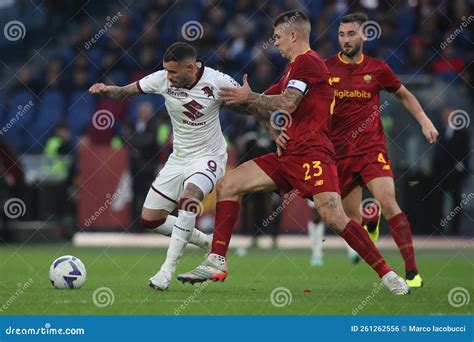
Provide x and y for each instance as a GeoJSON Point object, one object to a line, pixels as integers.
{"type": "Point", "coordinates": [67, 272]}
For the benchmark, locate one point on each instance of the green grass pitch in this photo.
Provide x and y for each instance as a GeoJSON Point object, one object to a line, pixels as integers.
{"type": "Point", "coordinates": [337, 288]}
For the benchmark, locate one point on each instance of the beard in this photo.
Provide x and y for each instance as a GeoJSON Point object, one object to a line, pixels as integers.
{"type": "Point", "coordinates": [354, 51]}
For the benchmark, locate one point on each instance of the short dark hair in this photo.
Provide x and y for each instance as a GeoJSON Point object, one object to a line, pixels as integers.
{"type": "Point", "coordinates": [179, 52]}
{"type": "Point", "coordinates": [358, 17]}
{"type": "Point", "coordinates": [290, 16]}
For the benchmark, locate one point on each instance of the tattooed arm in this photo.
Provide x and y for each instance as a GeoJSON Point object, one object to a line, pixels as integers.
{"type": "Point", "coordinates": [114, 92]}
{"type": "Point", "coordinates": [288, 101]}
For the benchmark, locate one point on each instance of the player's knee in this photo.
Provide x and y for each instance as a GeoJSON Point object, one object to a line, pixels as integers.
{"type": "Point", "coordinates": [356, 216]}
{"type": "Point", "coordinates": [151, 224]}
{"type": "Point", "coordinates": [334, 219]}
{"type": "Point", "coordinates": [192, 191]}
{"type": "Point", "coordinates": [389, 205]}
{"type": "Point", "coordinates": [151, 218]}
{"type": "Point", "coordinates": [191, 204]}
{"type": "Point", "coordinates": [225, 187]}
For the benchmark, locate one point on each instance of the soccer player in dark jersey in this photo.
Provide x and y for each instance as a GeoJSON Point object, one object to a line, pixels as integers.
{"type": "Point", "coordinates": [304, 97]}
{"type": "Point", "coordinates": [358, 134]}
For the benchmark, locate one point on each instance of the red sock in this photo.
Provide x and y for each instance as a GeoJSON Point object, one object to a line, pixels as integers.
{"type": "Point", "coordinates": [227, 213]}
{"type": "Point", "coordinates": [401, 232]}
{"type": "Point", "coordinates": [360, 241]}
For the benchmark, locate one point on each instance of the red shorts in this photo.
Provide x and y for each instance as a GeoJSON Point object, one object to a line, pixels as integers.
{"type": "Point", "coordinates": [307, 174]}
{"type": "Point", "coordinates": [359, 170]}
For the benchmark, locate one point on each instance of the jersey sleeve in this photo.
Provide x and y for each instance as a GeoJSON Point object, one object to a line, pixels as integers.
{"type": "Point", "coordinates": [305, 73]}
{"type": "Point", "coordinates": [225, 81]}
{"type": "Point", "coordinates": [154, 83]}
{"type": "Point", "coordinates": [387, 79]}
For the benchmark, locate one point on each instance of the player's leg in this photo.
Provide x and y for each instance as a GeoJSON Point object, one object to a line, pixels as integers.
{"type": "Point", "coordinates": [330, 209]}
{"type": "Point", "coordinates": [197, 180]}
{"type": "Point", "coordinates": [316, 236]}
{"type": "Point", "coordinates": [383, 189]}
{"type": "Point", "coordinates": [160, 221]}
{"type": "Point", "coordinates": [248, 177]}
{"type": "Point", "coordinates": [189, 206]}
{"type": "Point", "coordinates": [351, 205]}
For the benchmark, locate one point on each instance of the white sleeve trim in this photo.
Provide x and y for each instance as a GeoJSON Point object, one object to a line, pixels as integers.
{"type": "Point", "coordinates": [297, 84]}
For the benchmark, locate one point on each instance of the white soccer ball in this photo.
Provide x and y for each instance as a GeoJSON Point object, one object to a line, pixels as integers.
{"type": "Point", "coordinates": [67, 272]}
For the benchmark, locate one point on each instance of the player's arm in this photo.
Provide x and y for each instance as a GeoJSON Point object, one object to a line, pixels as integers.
{"type": "Point", "coordinates": [410, 102]}
{"type": "Point", "coordinates": [114, 92]}
{"type": "Point", "coordinates": [288, 101]}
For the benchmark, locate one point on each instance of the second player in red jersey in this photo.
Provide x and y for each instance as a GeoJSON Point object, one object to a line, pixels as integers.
{"type": "Point", "coordinates": [356, 126]}
{"type": "Point", "coordinates": [359, 138]}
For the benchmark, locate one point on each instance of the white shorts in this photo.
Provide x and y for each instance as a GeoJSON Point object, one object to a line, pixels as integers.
{"type": "Point", "coordinates": [169, 184]}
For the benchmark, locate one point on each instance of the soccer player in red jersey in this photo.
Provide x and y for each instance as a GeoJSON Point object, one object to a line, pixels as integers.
{"type": "Point", "coordinates": [304, 98]}
{"type": "Point", "coordinates": [358, 134]}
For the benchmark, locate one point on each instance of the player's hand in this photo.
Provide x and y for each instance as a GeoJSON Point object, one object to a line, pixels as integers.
{"type": "Point", "coordinates": [98, 89]}
{"type": "Point", "coordinates": [282, 142]}
{"type": "Point", "coordinates": [430, 132]}
{"type": "Point", "coordinates": [236, 95]}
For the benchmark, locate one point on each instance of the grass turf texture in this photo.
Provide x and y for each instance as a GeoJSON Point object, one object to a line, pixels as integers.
{"type": "Point", "coordinates": [338, 288]}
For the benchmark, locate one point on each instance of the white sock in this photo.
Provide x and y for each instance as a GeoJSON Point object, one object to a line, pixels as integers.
{"type": "Point", "coordinates": [182, 232]}
{"type": "Point", "coordinates": [316, 235]}
{"type": "Point", "coordinates": [197, 238]}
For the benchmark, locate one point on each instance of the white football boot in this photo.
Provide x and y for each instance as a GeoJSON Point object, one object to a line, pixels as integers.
{"type": "Point", "coordinates": [396, 284]}
{"type": "Point", "coordinates": [214, 268]}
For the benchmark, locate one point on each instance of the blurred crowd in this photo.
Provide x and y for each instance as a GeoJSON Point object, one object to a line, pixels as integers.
{"type": "Point", "coordinates": [109, 42]}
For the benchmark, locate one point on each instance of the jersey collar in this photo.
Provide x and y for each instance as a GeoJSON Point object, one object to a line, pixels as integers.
{"type": "Point", "coordinates": [339, 55]}
{"type": "Point", "coordinates": [198, 75]}
{"type": "Point", "coordinates": [304, 52]}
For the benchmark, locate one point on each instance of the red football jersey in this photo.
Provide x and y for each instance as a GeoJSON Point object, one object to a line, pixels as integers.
{"type": "Point", "coordinates": [309, 129]}
{"type": "Point", "coordinates": [356, 125]}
